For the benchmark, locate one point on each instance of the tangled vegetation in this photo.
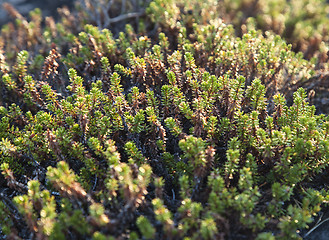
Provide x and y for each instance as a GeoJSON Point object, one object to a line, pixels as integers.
{"type": "Point", "coordinates": [189, 123]}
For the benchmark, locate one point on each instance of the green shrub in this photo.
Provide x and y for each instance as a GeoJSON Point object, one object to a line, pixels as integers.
{"type": "Point", "coordinates": [183, 134]}
{"type": "Point", "coordinates": [302, 23]}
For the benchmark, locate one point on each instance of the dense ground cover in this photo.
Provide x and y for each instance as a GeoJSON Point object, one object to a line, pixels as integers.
{"type": "Point", "coordinates": [164, 120]}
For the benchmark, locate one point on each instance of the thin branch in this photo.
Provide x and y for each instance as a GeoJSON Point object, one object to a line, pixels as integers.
{"type": "Point", "coordinates": [109, 4]}
{"type": "Point", "coordinates": [318, 224]}
{"type": "Point", "coordinates": [123, 6]}
{"type": "Point", "coordinates": [126, 16]}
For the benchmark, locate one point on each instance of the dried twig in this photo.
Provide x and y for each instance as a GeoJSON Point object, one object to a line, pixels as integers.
{"type": "Point", "coordinates": [99, 11]}
{"type": "Point", "coordinates": [318, 224]}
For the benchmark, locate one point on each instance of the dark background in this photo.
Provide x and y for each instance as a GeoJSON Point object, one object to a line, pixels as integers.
{"type": "Point", "coordinates": [48, 7]}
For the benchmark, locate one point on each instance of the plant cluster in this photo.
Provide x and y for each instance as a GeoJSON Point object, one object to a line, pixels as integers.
{"type": "Point", "coordinates": [304, 24]}
{"type": "Point", "coordinates": [185, 133]}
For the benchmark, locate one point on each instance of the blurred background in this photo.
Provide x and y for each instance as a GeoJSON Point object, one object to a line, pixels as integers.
{"type": "Point", "coordinates": [48, 7]}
